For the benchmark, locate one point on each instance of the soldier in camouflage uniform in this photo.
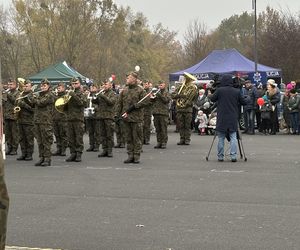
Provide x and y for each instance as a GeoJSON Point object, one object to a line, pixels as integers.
{"type": "Point", "coordinates": [132, 113]}
{"type": "Point", "coordinates": [75, 117]}
{"type": "Point", "coordinates": [106, 100]}
{"type": "Point", "coordinates": [185, 96]}
{"type": "Point", "coordinates": [147, 115]}
{"type": "Point", "coordinates": [25, 123]}
{"type": "Point", "coordinates": [43, 122]}
{"type": "Point", "coordinates": [160, 102]}
{"type": "Point", "coordinates": [10, 117]}
{"type": "Point", "coordinates": [92, 120]}
{"type": "Point", "coordinates": [119, 127]}
{"type": "Point", "coordinates": [60, 125]}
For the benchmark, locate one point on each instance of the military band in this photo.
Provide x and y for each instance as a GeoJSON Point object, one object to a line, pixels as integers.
{"type": "Point", "coordinates": [63, 112]}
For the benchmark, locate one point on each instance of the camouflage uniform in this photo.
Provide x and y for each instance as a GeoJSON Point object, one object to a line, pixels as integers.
{"type": "Point", "coordinates": [184, 112]}
{"type": "Point", "coordinates": [26, 128]}
{"type": "Point", "coordinates": [60, 129]}
{"type": "Point", "coordinates": [147, 121]}
{"type": "Point", "coordinates": [119, 129]}
{"type": "Point", "coordinates": [75, 117]}
{"type": "Point", "coordinates": [43, 125]}
{"type": "Point", "coordinates": [133, 124]}
{"type": "Point", "coordinates": [10, 121]}
{"type": "Point", "coordinates": [106, 101]}
{"type": "Point", "coordinates": [161, 117]}
{"type": "Point", "coordinates": [4, 203]}
{"type": "Point", "coordinates": [93, 127]}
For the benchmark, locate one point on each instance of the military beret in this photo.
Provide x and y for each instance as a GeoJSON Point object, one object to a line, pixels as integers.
{"type": "Point", "coordinates": [133, 73]}
{"type": "Point", "coordinates": [45, 81]}
{"type": "Point", "coordinates": [74, 79]}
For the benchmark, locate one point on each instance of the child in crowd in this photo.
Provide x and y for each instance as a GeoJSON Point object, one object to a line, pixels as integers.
{"type": "Point", "coordinates": [202, 121]}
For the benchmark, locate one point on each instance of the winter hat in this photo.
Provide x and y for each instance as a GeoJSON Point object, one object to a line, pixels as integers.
{"type": "Point", "coordinates": [226, 79]}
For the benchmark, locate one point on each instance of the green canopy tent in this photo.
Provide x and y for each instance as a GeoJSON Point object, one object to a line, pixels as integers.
{"type": "Point", "coordinates": [60, 72]}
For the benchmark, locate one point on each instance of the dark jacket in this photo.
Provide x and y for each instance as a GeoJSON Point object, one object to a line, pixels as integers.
{"type": "Point", "coordinates": [228, 101]}
{"type": "Point", "coordinates": [253, 95]}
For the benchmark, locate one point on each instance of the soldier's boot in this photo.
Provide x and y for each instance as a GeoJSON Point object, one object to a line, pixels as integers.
{"type": "Point", "coordinates": [46, 163]}
{"type": "Point", "coordinates": [13, 152]}
{"type": "Point", "coordinates": [109, 153]}
{"type": "Point", "coordinates": [72, 157]}
{"type": "Point", "coordinates": [187, 142]}
{"type": "Point", "coordinates": [158, 145]}
{"type": "Point", "coordinates": [163, 145]}
{"type": "Point", "coordinates": [136, 158]}
{"type": "Point", "coordinates": [117, 145]}
{"type": "Point", "coordinates": [57, 152]}
{"type": "Point", "coordinates": [28, 157]}
{"type": "Point", "coordinates": [90, 149]}
{"type": "Point", "coordinates": [8, 150]}
{"type": "Point", "coordinates": [78, 157]}
{"type": "Point", "coordinates": [181, 142]}
{"type": "Point", "coordinates": [96, 148]}
{"type": "Point", "coordinates": [129, 159]}
{"type": "Point", "coordinates": [103, 154]}
{"type": "Point", "coordinates": [63, 151]}
{"type": "Point", "coordinates": [122, 145]}
{"type": "Point", "coordinates": [22, 157]}
{"type": "Point", "coordinates": [39, 163]}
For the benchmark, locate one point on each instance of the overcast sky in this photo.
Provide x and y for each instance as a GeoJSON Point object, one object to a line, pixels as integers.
{"type": "Point", "coordinates": [176, 15]}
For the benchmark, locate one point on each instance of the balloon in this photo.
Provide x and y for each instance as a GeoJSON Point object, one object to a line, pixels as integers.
{"type": "Point", "coordinates": [260, 101]}
{"type": "Point", "coordinates": [113, 76]}
{"type": "Point", "coordinates": [137, 68]}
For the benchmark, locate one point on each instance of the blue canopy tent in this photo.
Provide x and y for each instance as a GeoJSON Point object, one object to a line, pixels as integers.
{"type": "Point", "coordinates": [228, 61]}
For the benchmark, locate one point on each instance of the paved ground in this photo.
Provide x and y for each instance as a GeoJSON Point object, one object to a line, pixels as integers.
{"type": "Point", "coordinates": [174, 199]}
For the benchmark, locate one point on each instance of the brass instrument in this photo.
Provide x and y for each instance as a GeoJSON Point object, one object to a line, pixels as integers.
{"type": "Point", "coordinates": [17, 108]}
{"type": "Point", "coordinates": [188, 89]}
{"type": "Point", "coordinates": [62, 101]}
{"type": "Point", "coordinates": [100, 92]}
{"type": "Point", "coordinates": [154, 92]}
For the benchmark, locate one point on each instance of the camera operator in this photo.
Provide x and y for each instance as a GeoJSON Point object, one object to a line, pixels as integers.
{"type": "Point", "coordinates": [228, 99]}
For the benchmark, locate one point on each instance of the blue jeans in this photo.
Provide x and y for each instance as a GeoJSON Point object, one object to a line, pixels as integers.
{"type": "Point", "coordinates": [249, 116]}
{"type": "Point", "coordinates": [295, 121]}
{"type": "Point", "coordinates": [233, 144]}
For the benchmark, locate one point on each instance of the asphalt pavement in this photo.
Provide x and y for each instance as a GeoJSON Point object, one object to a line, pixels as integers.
{"type": "Point", "coordinates": [173, 200]}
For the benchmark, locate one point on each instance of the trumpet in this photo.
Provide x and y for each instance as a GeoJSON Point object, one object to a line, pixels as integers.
{"type": "Point", "coordinates": [5, 91]}
{"type": "Point", "coordinates": [154, 92]}
{"type": "Point", "coordinates": [99, 92]}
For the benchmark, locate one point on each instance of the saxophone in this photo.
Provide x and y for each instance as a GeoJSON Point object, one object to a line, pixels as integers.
{"type": "Point", "coordinates": [188, 89]}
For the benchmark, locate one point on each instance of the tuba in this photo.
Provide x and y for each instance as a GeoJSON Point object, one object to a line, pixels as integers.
{"type": "Point", "coordinates": [188, 89]}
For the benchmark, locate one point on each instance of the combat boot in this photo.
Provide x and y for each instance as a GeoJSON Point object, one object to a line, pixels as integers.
{"type": "Point", "coordinates": [136, 158]}
{"type": "Point", "coordinates": [96, 148]}
{"type": "Point", "coordinates": [57, 152]}
{"type": "Point", "coordinates": [78, 157]}
{"type": "Point", "coordinates": [63, 152]}
{"type": "Point", "coordinates": [163, 145]}
{"type": "Point", "coordinates": [109, 153]}
{"type": "Point", "coordinates": [90, 149]}
{"type": "Point", "coordinates": [122, 145]}
{"type": "Point", "coordinates": [21, 158]}
{"type": "Point", "coordinates": [72, 157]}
{"type": "Point", "coordinates": [129, 159]}
{"type": "Point", "coordinates": [181, 142]}
{"type": "Point", "coordinates": [28, 157]}
{"type": "Point", "coordinates": [46, 163]}
{"type": "Point", "coordinates": [103, 154]}
{"type": "Point", "coordinates": [158, 145]}
{"type": "Point", "coordinates": [39, 163]}
{"type": "Point", "coordinates": [13, 152]}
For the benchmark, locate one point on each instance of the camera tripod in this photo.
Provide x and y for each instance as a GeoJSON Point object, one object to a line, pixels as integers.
{"type": "Point", "coordinates": [240, 145]}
